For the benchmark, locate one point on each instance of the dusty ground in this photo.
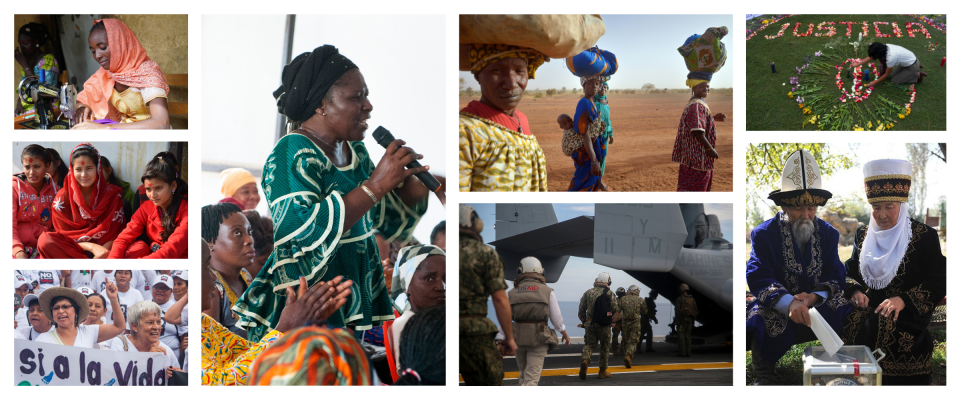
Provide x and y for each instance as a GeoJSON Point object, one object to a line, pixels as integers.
{"type": "Point", "coordinates": [644, 129]}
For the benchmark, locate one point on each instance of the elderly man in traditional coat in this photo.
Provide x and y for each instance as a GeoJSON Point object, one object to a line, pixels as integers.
{"type": "Point", "coordinates": [793, 267]}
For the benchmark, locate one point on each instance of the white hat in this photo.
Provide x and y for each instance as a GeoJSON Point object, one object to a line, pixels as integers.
{"type": "Point", "coordinates": [86, 291]}
{"type": "Point", "coordinates": [604, 278]}
{"type": "Point", "coordinates": [19, 280]}
{"type": "Point", "coordinates": [180, 273]}
{"type": "Point", "coordinates": [800, 183]}
{"type": "Point", "coordinates": [28, 298]}
{"type": "Point", "coordinates": [530, 264]}
{"type": "Point", "coordinates": [887, 180]}
{"type": "Point", "coordinates": [165, 279]}
{"type": "Point", "coordinates": [466, 216]}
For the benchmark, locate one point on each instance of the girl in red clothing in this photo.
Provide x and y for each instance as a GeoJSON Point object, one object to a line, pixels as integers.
{"type": "Point", "coordinates": [87, 211]}
{"type": "Point", "coordinates": [33, 191]}
{"type": "Point", "coordinates": [164, 222]}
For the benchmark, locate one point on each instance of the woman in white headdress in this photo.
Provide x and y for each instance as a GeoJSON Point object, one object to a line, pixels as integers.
{"type": "Point", "coordinates": [895, 278]}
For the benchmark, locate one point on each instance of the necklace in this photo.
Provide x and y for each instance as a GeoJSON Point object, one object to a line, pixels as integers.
{"type": "Point", "coordinates": [319, 138]}
{"type": "Point", "coordinates": [519, 127]}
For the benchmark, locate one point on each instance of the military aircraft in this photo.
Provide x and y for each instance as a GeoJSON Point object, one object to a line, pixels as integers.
{"type": "Point", "coordinates": [660, 245]}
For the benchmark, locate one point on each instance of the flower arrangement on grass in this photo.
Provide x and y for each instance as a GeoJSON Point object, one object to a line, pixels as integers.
{"type": "Point", "coordinates": [768, 22]}
{"type": "Point", "coordinates": [832, 29]}
{"type": "Point", "coordinates": [913, 27]}
{"type": "Point", "coordinates": [858, 107]}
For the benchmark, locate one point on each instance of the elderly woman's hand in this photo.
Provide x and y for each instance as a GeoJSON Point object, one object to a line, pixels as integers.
{"type": "Point", "coordinates": [891, 306]}
{"type": "Point", "coordinates": [860, 300]}
{"type": "Point", "coordinates": [156, 348]}
{"type": "Point", "coordinates": [316, 303]}
{"type": "Point", "coordinates": [391, 170]}
{"type": "Point", "coordinates": [170, 371]}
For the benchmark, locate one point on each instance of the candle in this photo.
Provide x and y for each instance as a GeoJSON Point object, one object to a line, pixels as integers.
{"type": "Point", "coordinates": [861, 37]}
{"type": "Point", "coordinates": [866, 76]}
{"type": "Point", "coordinates": [944, 61]}
{"type": "Point", "coordinates": [773, 68]}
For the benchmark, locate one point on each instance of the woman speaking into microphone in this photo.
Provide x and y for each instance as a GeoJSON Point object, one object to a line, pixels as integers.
{"type": "Point", "coordinates": [327, 198]}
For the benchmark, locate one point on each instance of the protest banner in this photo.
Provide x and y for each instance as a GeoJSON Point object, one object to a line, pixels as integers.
{"type": "Point", "coordinates": [46, 364]}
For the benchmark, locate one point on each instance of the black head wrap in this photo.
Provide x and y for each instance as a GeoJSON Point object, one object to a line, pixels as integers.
{"type": "Point", "coordinates": [307, 79]}
{"type": "Point", "coordinates": [36, 31]}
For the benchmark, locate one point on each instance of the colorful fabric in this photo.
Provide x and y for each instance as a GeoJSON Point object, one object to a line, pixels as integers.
{"type": "Point", "coordinates": [51, 69]}
{"type": "Point", "coordinates": [687, 149]}
{"type": "Point", "coordinates": [592, 63]}
{"type": "Point", "coordinates": [98, 222]}
{"type": "Point", "coordinates": [225, 358]}
{"type": "Point", "coordinates": [608, 132]}
{"type": "Point", "coordinates": [496, 158]}
{"type": "Point", "coordinates": [132, 103]}
{"type": "Point", "coordinates": [232, 179]}
{"type": "Point", "coordinates": [227, 291]}
{"type": "Point", "coordinates": [482, 55]}
{"type": "Point", "coordinates": [691, 83]}
{"type": "Point", "coordinates": [129, 65]}
{"type": "Point", "coordinates": [694, 180]}
{"type": "Point", "coordinates": [517, 123]}
{"type": "Point", "coordinates": [705, 53]}
{"type": "Point", "coordinates": [314, 357]}
{"type": "Point", "coordinates": [304, 191]}
{"type": "Point", "coordinates": [583, 180]}
{"type": "Point", "coordinates": [585, 79]}
{"type": "Point", "coordinates": [408, 260]}
{"type": "Point", "coordinates": [31, 212]}
{"type": "Point", "coordinates": [374, 336]}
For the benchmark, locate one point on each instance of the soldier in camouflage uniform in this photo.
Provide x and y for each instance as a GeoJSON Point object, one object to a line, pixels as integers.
{"type": "Point", "coordinates": [632, 307]}
{"type": "Point", "coordinates": [615, 346]}
{"type": "Point", "coordinates": [481, 275]}
{"type": "Point", "coordinates": [595, 333]}
{"type": "Point", "coordinates": [646, 330]}
{"type": "Point", "coordinates": [685, 312]}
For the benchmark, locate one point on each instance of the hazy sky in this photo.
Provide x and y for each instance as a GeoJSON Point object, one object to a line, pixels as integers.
{"type": "Point", "coordinates": [850, 181]}
{"type": "Point", "coordinates": [646, 50]}
{"type": "Point", "coordinates": [579, 274]}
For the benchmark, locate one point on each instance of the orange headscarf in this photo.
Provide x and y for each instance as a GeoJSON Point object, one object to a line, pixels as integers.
{"type": "Point", "coordinates": [129, 65]}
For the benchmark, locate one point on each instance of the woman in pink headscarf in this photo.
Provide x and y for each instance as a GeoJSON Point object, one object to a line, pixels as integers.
{"type": "Point", "coordinates": [128, 88]}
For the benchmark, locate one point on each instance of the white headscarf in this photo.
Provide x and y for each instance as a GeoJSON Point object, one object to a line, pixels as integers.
{"type": "Point", "coordinates": [408, 260]}
{"type": "Point", "coordinates": [883, 250]}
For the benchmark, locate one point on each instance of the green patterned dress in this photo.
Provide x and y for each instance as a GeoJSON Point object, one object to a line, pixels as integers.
{"type": "Point", "coordinates": [304, 191]}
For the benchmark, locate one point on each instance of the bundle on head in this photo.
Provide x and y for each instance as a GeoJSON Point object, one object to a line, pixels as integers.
{"type": "Point", "coordinates": [160, 169]}
{"type": "Point", "coordinates": [423, 348]}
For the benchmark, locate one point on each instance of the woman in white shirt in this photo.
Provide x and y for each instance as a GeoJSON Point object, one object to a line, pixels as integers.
{"type": "Point", "coordinates": [146, 327]}
{"type": "Point", "coordinates": [97, 305]}
{"type": "Point", "coordinates": [889, 56]}
{"type": "Point", "coordinates": [66, 307]}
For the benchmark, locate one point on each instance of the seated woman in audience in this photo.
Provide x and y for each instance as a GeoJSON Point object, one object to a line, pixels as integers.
{"type": "Point", "coordinates": [87, 211]}
{"type": "Point", "coordinates": [240, 185]}
{"type": "Point", "coordinates": [261, 229]}
{"type": "Point", "coordinates": [419, 282]}
{"type": "Point", "coordinates": [124, 186]}
{"type": "Point", "coordinates": [33, 192]}
{"type": "Point", "coordinates": [164, 224]}
{"type": "Point", "coordinates": [227, 232]}
{"type": "Point", "coordinates": [66, 307]}
{"type": "Point", "coordinates": [128, 88]}
{"type": "Point", "coordinates": [226, 357]}
{"type": "Point", "coordinates": [146, 327]}
{"type": "Point", "coordinates": [423, 352]}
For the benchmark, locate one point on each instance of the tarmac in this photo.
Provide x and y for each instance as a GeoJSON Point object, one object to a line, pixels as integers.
{"type": "Point", "coordinates": [710, 365]}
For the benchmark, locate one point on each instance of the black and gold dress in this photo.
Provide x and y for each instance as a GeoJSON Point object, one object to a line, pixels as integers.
{"type": "Point", "coordinates": [921, 284]}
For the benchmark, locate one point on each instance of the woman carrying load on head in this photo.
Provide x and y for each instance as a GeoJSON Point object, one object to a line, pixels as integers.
{"type": "Point", "coordinates": [694, 147]}
{"type": "Point", "coordinates": [590, 126]}
{"type": "Point", "coordinates": [327, 197]}
{"type": "Point", "coordinates": [128, 88]}
{"type": "Point", "coordinates": [498, 152]}
{"type": "Point", "coordinates": [603, 105]}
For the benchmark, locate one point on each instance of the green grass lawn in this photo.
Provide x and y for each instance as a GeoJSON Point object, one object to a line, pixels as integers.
{"type": "Point", "coordinates": [769, 107]}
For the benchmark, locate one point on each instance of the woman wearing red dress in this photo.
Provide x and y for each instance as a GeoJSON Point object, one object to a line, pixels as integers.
{"type": "Point", "coordinates": [164, 222]}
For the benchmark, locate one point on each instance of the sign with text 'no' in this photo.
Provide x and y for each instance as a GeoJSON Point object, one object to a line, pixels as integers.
{"type": "Point", "coordinates": [45, 364]}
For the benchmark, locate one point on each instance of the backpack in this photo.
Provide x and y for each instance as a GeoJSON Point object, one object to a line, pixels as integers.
{"type": "Point", "coordinates": [602, 311]}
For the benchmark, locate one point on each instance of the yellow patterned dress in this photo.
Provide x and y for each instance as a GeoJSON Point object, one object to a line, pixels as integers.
{"type": "Point", "coordinates": [132, 103]}
{"type": "Point", "coordinates": [496, 159]}
{"type": "Point", "coordinates": [226, 357]}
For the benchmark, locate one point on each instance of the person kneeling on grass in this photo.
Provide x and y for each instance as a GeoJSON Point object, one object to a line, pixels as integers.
{"type": "Point", "coordinates": [889, 56]}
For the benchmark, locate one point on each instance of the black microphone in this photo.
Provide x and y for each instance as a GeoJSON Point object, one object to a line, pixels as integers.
{"type": "Point", "coordinates": [384, 138]}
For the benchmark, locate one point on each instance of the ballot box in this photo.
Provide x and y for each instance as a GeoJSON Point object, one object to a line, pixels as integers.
{"type": "Point", "coordinates": [850, 366]}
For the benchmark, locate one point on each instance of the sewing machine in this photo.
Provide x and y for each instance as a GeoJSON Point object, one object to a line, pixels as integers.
{"type": "Point", "coordinates": [42, 96]}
